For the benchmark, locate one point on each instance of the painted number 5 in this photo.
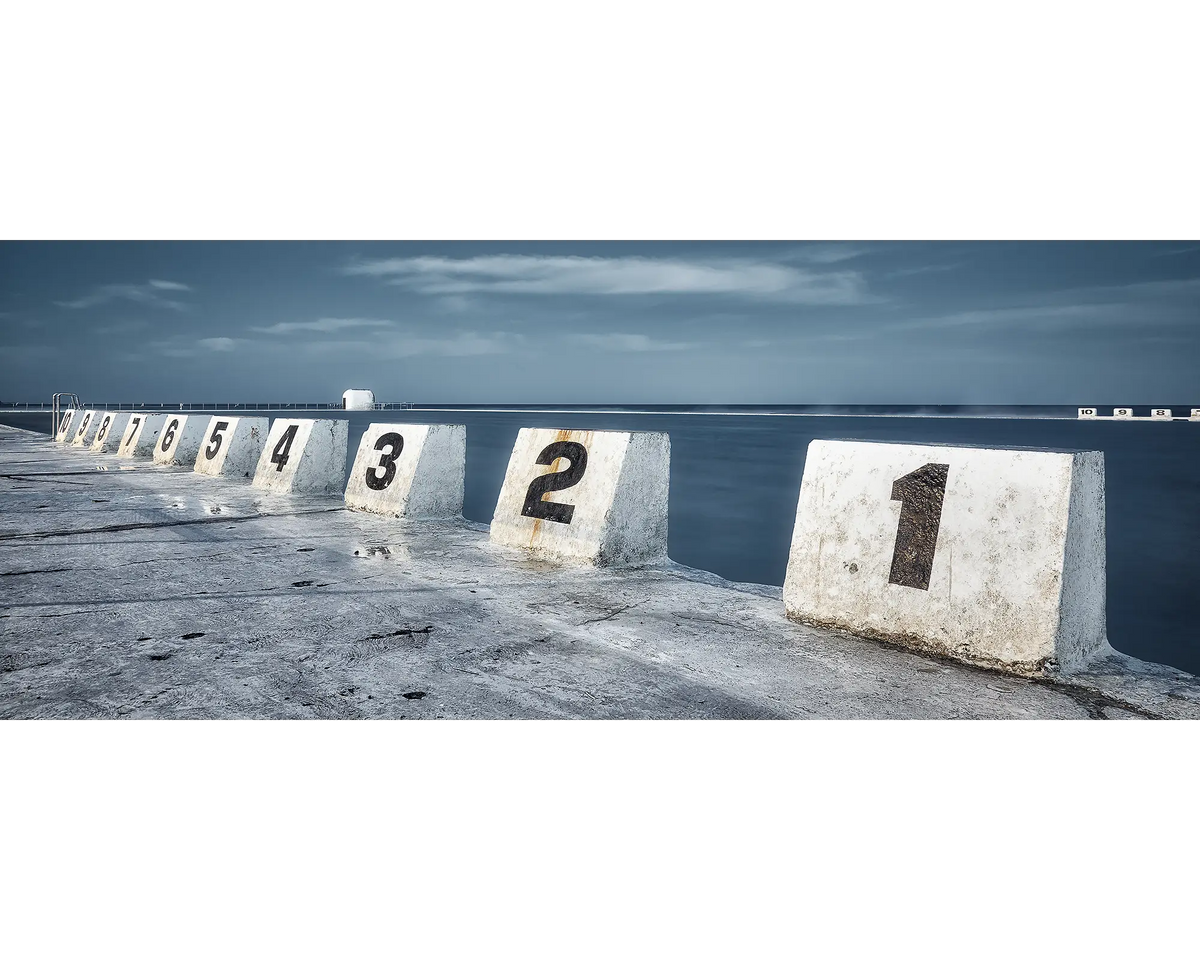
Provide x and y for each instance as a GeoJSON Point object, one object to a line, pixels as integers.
{"type": "Point", "coordinates": [387, 462]}
{"type": "Point", "coordinates": [541, 509]}
{"type": "Point", "coordinates": [920, 494]}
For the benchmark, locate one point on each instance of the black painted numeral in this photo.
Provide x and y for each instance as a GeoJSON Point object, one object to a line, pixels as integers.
{"type": "Point", "coordinates": [541, 509]}
{"type": "Point", "coordinates": [103, 431]}
{"type": "Point", "coordinates": [279, 456]}
{"type": "Point", "coordinates": [83, 426]}
{"type": "Point", "coordinates": [215, 439]}
{"type": "Point", "coordinates": [387, 462]}
{"type": "Point", "coordinates": [169, 435]}
{"type": "Point", "coordinates": [920, 494]}
{"type": "Point", "coordinates": [133, 429]}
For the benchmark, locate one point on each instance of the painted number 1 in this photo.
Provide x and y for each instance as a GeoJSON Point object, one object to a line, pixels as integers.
{"type": "Point", "coordinates": [920, 494]}
{"type": "Point", "coordinates": [541, 509]}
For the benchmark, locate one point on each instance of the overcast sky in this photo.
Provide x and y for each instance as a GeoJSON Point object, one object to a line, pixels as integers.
{"type": "Point", "coordinates": [1009, 323]}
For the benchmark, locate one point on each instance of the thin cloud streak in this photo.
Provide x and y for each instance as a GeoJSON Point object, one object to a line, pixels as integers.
{"type": "Point", "coordinates": [616, 276]}
{"type": "Point", "coordinates": [147, 293]}
{"type": "Point", "coordinates": [625, 342]}
{"type": "Point", "coordinates": [323, 325]}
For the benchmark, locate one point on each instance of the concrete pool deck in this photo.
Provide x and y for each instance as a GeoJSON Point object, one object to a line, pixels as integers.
{"type": "Point", "coordinates": [130, 590]}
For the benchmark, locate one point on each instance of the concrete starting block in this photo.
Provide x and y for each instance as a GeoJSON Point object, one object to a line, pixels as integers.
{"type": "Point", "coordinates": [1195, 414]}
{"type": "Point", "coordinates": [1087, 413]}
{"type": "Point", "coordinates": [993, 557]}
{"type": "Point", "coordinates": [232, 446]}
{"type": "Point", "coordinates": [85, 429]}
{"type": "Point", "coordinates": [141, 434]}
{"type": "Point", "coordinates": [409, 470]}
{"type": "Point", "coordinates": [108, 434]}
{"type": "Point", "coordinates": [64, 425]}
{"type": "Point", "coordinates": [1122, 413]}
{"type": "Point", "coordinates": [1160, 413]}
{"type": "Point", "coordinates": [304, 456]}
{"type": "Point", "coordinates": [595, 497]}
{"type": "Point", "coordinates": [179, 442]}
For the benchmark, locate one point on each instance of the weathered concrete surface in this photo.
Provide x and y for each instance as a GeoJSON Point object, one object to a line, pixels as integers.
{"type": "Point", "coordinates": [179, 443]}
{"type": "Point", "coordinates": [304, 457]}
{"type": "Point", "coordinates": [232, 446]}
{"type": "Point", "coordinates": [148, 592]}
{"type": "Point", "coordinates": [109, 433]}
{"type": "Point", "coordinates": [69, 419]}
{"type": "Point", "coordinates": [994, 557]}
{"type": "Point", "coordinates": [409, 470]}
{"type": "Point", "coordinates": [141, 435]}
{"type": "Point", "coordinates": [608, 509]}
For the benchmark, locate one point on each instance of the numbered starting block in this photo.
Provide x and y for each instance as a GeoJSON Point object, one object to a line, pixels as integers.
{"type": "Point", "coordinates": [179, 442]}
{"type": "Point", "coordinates": [993, 557]}
{"type": "Point", "coordinates": [1122, 413]}
{"type": "Point", "coordinates": [1087, 413]}
{"type": "Point", "coordinates": [588, 496]}
{"type": "Point", "coordinates": [108, 434]}
{"type": "Point", "coordinates": [65, 432]}
{"type": "Point", "coordinates": [303, 456]}
{"type": "Point", "coordinates": [1195, 414]}
{"type": "Point", "coordinates": [232, 446]}
{"type": "Point", "coordinates": [1160, 413]}
{"type": "Point", "coordinates": [409, 470]}
{"type": "Point", "coordinates": [141, 434]}
{"type": "Point", "coordinates": [85, 429]}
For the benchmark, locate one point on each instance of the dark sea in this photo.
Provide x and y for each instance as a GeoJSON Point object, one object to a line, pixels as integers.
{"type": "Point", "coordinates": [735, 480]}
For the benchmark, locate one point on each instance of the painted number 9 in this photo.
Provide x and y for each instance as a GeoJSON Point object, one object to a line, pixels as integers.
{"type": "Point", "coordinates": [215, 439]}
{"type": "Point", "coordinates": [387, 462]}
{"type": "Point", "coordinates": [920, 494]}
{"type": "Point", "coordinates": [541, 509]}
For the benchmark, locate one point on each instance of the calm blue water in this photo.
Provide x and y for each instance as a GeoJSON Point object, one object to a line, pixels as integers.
{"type": "Point", "coordinates": [735, 481]}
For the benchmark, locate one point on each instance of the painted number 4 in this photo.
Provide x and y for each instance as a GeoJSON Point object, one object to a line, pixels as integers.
{"type": "Point", "coordinates": [920, 494]}
{"type": "Point", "coordinates": [279, 456]}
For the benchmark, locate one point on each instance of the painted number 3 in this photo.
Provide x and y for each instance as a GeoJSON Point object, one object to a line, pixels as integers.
{"type": "Point", "coordinates": [541, 509]}
{"type": "Point", "coordinates": [920, 494]}
{"type": "Point", "coordinates": [387, 462]}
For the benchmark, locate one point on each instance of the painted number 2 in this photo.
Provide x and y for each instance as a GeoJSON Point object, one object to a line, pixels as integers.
{"type": "Point", "coordinates": [387, 462]}
{"type": "Point", "coordinates": [215, 438]}
{"type": "Point", "coordinates": [541, 509]}
{"type": "Point", "coordinates": [920, 494]}
{"type": "Point", "coordinates": [279, 456]}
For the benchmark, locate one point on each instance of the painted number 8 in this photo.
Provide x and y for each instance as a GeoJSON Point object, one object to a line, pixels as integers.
{"type": "Point", "coordinates": [387, 462]}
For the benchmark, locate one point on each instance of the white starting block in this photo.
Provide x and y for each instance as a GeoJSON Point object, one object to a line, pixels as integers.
{"type": "Point", "coordinates": [590, 496]}
{"type": "Point", "coordinates": [303, 456]}
{"type": "Point", "coordinates": [232, 446]}
{"type": "Point", "coordinates": [85, 429]}
{"type": "Point", "coordinates": [141, 434]}
{"type": "Point", "coordinates": [1160, 413]}
{"type": "Point", "coordinates": [993, 557]}
{"type": "Point", "coordinates": [1122, 413]}
{"type": "Point", "coordinates": [409, 470]}
{"type": "Point", "coordinates": [1087, 413]}
{"type": "Point", "coordinates": [108, 434]}
{"type": "Point", "coordinates": [65, 433]}
{"type": "Point", "coordinates": [179, 442]}
{"type": "Point", "coordinates": [1195, 414]}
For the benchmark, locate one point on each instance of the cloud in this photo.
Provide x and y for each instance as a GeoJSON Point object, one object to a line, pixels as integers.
{"type": "Point", "coordinates": [324, 325]}
{"type": "Point", "coordinates": [616, 276]}
{"type": "Point", "coordinates": [467, 343]}
{"type": "Point", "coordinates": [147, 293]}
{"type": "Point", "coordinates": [625, 342]}
{"type": "Point", "coordinates": [220, 344]}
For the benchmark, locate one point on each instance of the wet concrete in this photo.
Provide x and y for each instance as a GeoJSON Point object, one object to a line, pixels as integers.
{"type": "Point", "coordinates": [143, 591]}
